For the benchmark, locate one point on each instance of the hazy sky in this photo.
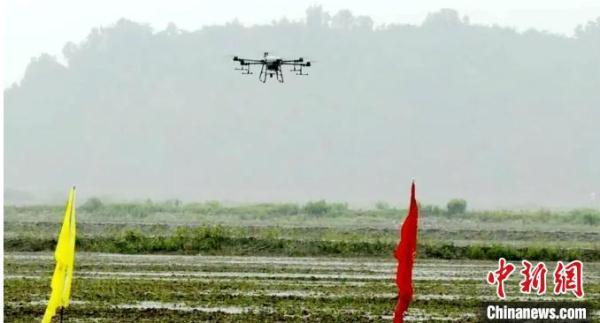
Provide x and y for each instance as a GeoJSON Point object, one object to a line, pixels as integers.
{"type": "Point", "coordinates": [36, 26]}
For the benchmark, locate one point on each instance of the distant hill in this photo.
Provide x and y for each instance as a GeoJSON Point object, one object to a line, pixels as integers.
{"type": "Point", "coordinates": [497, 117]}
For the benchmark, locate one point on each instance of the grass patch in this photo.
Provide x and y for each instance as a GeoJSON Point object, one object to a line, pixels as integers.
{"type": "Point", "coordinates": [219, 240]}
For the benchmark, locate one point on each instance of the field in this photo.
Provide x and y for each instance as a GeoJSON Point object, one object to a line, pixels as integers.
{"type": "Point", "coordinates": [170, 262]}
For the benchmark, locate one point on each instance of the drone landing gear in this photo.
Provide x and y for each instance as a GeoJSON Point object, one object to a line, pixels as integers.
{"type": "Point", "coordinates": [245, 70]}
{"type": "Point", "coordinates": [279, 75]}
{"type": "Point", "coordinates": [263, 75]}
{"type": "Point", "coordinates": [298, 70]}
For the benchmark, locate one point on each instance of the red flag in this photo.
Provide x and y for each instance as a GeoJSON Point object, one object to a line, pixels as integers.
{"type": "Point", "coordinates": [405, 255]}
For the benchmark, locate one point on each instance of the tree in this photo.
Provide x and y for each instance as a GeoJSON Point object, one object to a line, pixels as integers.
{"type": "Point", "coordinates": [92, 204]}
{"type": "Point", "coordinates": [317, 208]}
{"type": "Point", "coordinates": [163, 106]}
{"type": "Point", "coordinates": [589, 31]}
{"type": "Point", "coordinates": [444, 18]}
{"type": "Point", "coordinates": [316, 18]}
{"type": "Point", "coordinates": [363, 23]}
{"type": "Point", "coordinates": [382, 205]}
{"type": "Point", "coordinates": [343, 20]}
{"type": "Point", "coordinates": [456, 206]}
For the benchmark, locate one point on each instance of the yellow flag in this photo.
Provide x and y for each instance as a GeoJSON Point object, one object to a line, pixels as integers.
{"type": "Point", "coordinates": [65, 258]}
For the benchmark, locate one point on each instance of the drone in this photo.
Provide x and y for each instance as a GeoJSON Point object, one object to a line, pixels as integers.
{"type": "Point", "coordinates": [271, 65]}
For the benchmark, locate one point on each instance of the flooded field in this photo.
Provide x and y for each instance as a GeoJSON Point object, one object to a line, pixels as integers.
{"type": "Point", "coordinates": [144, 288]}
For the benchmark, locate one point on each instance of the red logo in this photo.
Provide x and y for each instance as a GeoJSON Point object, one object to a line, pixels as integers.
{"type": "Point", "coordinates": [533, 278]}
{"type": "Point", "coordinates": [567, 278]}
{"type": "Point", "coordinates": [499, 276]}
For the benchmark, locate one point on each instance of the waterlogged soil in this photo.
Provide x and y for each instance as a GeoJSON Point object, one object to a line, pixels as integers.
{"type": "Point", "coordinates": [164, 288]}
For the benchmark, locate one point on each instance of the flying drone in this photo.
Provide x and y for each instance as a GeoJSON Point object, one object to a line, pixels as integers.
{"type": "Point", "coordinates": [271, 66]}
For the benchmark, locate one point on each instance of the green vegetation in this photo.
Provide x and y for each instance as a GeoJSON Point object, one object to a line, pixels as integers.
{"type": "Point", "coordinates": [226, 271]}
{"type": "Point", "coordinates": [314, 213]}
{"type": "Point", "coordinates": [456, 206]}
{"type": "Point", "coordinates": [220, 240]}
{"type": "Point", "coordinates": [318, 228]}
{"type": "Point", "coordinates": [93, 204]}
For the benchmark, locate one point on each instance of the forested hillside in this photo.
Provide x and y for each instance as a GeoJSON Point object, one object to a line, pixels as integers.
{"type": "Point", "coordinates": [497, 117]}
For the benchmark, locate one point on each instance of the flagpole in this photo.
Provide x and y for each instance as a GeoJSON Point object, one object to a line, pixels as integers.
{"type": "Point", "coordinates": [62, 309]}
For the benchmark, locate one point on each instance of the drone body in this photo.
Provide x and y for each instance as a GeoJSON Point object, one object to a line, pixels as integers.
{"type": "Point", "coordinates": [271, 66]}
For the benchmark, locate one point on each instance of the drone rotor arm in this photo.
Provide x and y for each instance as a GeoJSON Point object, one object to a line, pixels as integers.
{"type": "Point", "coordinates": [246, 61]}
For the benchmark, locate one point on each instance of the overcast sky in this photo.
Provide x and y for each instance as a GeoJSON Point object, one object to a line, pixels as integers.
{"type": "Point", "coordinates": [36, 26]}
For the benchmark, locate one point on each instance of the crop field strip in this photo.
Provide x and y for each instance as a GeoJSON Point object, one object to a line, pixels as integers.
{"type": "Point", "coordinates": [302, 242]}
{"type": "Point", "coordinates": [578, 225]}
{"type": "Point", "coordinates": [141, 262]}
{"type": "Point", "coordinates": [123, 287]}
{"type": "Point", "coordinates": [433, 230]}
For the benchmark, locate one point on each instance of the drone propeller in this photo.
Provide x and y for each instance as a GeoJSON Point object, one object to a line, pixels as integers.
{"type": "Point", "coordinates": [303, 63]}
